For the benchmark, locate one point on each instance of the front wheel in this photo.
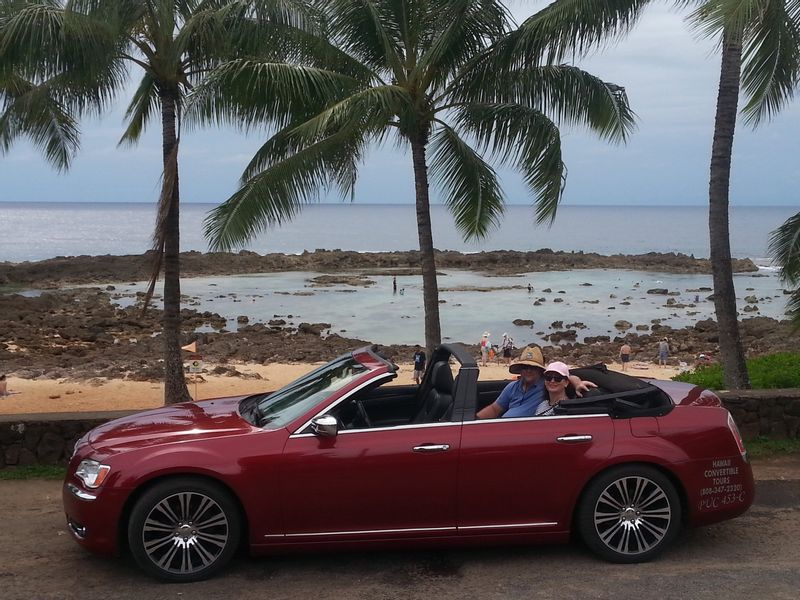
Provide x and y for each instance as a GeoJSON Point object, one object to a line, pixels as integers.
{"type": "Point", "coordinates": [184, 529]}
{"type": "Point", "coordinates": [629, 514]}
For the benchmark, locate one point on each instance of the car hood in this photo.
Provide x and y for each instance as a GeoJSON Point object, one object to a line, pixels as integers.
{"type": "Point", "coordinates": [176, 423]}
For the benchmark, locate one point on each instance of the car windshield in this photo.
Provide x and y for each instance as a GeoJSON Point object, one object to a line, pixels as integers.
{"type": "Point", "coordinates": [291, 401]}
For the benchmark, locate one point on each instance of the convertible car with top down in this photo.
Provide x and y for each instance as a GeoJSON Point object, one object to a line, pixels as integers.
{"type": "Point", "coordinates": [338, 460]}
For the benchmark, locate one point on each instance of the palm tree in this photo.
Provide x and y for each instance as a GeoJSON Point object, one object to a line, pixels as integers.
{"type": "Point", "coordinates": [173, 43]}
{"type": "Point", "coordinates": [760, 47]}
{"type": "Point", "coordinates": [411, 71]}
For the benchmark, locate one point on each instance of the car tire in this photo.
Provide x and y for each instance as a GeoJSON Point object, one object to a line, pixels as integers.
{"type": "Point", "coordinates": [629, 514]}
{"type": "Point", "coordinates": [184, 529]}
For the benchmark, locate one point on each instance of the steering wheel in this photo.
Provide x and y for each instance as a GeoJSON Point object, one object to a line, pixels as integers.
{"type": "Point", "coordinates": [362, 412]}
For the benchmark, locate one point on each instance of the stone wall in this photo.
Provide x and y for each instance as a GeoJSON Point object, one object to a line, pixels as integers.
{"type": "Point", "coordinates": [48, 439]}
{"type": "Point", "coordinates": [773, 413]}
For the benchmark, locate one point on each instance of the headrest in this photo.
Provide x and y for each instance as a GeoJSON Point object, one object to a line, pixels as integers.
{"type": "Point", "coordinates": [442, 378]}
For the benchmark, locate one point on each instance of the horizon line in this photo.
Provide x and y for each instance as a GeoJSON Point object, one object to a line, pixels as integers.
{"type": "Point", "coordinates": [356, 203]}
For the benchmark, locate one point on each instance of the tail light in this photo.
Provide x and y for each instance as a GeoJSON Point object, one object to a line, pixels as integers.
{"type": "Point", "coordinates": [737, 436]}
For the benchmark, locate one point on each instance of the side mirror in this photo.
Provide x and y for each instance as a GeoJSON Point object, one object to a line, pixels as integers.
{"type": "Point", "coordinates": [325, 426]}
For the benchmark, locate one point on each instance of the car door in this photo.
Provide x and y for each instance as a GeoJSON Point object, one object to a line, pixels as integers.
{"type": "Point", "coordinates": [524, 475]}
{"type": "Point", "coordinates": [388, 482]}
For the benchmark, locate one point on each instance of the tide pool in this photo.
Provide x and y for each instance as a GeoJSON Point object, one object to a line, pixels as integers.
{"type": "Point", "coordinates": [593, 297]}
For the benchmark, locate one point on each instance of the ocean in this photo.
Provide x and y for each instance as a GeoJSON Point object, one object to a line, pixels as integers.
{"type": "Point", "coordinates": [36, 231]}
{"type": "Point", "coordinates": [596, 299]}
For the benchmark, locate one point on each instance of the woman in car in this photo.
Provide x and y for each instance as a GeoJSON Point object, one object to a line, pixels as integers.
{"type": "Point", "coordinates": [556, 384]}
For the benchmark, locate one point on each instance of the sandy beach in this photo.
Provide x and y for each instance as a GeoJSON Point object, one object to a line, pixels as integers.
{"type": "Point", "coordinates": [63, 395]}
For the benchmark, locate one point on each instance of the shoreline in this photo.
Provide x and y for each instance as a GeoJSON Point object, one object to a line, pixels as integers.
{"type": "Point", "coordinates": [110, 269]}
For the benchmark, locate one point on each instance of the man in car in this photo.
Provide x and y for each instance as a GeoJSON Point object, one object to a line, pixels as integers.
{"type": "Point", "coordinates": [520, 398]}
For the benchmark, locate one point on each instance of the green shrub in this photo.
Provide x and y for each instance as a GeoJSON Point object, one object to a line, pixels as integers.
{"type": "Point", "coordinates": [772, 371]}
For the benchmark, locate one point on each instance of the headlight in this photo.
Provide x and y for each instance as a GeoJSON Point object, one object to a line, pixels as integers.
{"type": "Point", "coordinates": [92, 473]}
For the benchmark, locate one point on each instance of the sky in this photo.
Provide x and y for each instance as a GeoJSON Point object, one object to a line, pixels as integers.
{"type": "Point", "coordinates": [671, 78]}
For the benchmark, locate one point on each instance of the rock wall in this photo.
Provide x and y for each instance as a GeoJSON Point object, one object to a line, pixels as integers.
{"type": "Point", "coordinates": [48, 439]}
{"type": "Point", "coordinates": [773, 413]}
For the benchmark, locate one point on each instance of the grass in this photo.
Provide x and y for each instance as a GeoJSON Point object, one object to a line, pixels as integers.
{"type": "Point", "coordinates": [32, 472]}
{"type": "Point", "coordinates": [765, 447]}
{"type": "Point", "coordinates": [769, 372]}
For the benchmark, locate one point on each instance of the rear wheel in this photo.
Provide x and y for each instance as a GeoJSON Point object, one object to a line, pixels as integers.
{"type": "Point", "coordinates": [184, 529]}
{"type": "Point", "coordinates": [629, 514]}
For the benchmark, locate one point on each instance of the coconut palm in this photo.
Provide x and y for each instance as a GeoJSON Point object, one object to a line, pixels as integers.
{"type": "Point", "coordinates": [406, 71]}
{"type": "Point", "coordinates": [172, 44]}
{"type": "Point", "coordinates": [760, 48]}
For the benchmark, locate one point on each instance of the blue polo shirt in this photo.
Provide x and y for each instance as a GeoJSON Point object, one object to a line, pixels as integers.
{"type": "Point", "coordinates": [518, 403]}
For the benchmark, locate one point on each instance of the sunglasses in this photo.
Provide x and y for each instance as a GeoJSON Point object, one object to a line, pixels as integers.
{"type": "Point", "coordinates": [554, 377]}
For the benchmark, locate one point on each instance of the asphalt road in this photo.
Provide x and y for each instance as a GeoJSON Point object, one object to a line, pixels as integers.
{"type": "Point", "coordinates": [755, 556]}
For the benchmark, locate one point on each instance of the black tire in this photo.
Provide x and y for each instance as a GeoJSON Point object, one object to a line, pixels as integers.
{"type": "Point", "coordinates": [629, 514]}
{"type": "Point", "coordinates": [169, 542]}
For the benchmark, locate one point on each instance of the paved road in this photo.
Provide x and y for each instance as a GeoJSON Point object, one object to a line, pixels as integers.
{"type": "Point", "coordinates": [755, 556]}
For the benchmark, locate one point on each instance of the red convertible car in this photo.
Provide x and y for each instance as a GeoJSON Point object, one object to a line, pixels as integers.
{"type": "Point", "coordinates": [338, 460]}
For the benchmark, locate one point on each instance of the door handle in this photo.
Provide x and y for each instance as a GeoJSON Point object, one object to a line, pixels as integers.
{"type": "Point", "coordinates": [432, 448]}
{"type": "Point", "coordinates": [574, 439]}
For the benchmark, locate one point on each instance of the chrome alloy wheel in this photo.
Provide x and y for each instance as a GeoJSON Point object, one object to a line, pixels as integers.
{"type": "Point", "coordinates": [185, 533]}
{"type": "Point", "coordinates": [632, 515]}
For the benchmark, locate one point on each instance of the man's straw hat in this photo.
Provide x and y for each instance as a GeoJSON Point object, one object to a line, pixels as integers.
{"type": "Point", "coordinates": [531, 356]}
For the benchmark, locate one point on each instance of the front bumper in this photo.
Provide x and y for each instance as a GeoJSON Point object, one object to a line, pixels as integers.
{"type": "Point", "coordinates": [93, 516]}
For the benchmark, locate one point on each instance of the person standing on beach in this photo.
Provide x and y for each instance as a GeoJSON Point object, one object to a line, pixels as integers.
{"type": "Point", "coordinates": [419, 364]}
{"type": "Point", "coordinates": [484, 348]}
{"type": "Point", "coordinates": [624, 355]}
{"type": "Point", "coordinates": [3, 385]}
{"type": "Point", "coordinates": [394, 284]}
{"type": "Point", "coordinates": [507, 345]}
{"type": "Point", "coordinates": [663, 352]}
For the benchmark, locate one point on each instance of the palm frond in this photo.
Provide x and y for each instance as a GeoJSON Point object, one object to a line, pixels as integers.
{"type": "Point", "coordinates": [567, 94]}
{"type": "Point", "coordinates": [463, 29]}
{"type": "Point", "coordinates": [36, 112]}
{"type": "Point", "coordinates": [470, 186]}
{"type": "Point", "coordinates": [567, 27]}
{"type": "Point", "coordinates": [276, 194]}
{"type": "Point", "coordinates": [44, 42]}
{"type": "Point", "coordinates": [373, 106]}
{"type": "Point", "coordinates": [771, 62]}
{"type": "Point", "coordinates": [526, 138]}
{"type": "Point", "coordinates": [793, 308]}
{"type": "Point", "coordinates": [251, 93]}
{"type": "Point", "coordinates": [367, 30]}
{"type": "Point", "coordinates": [140, 110]}
{"type": "Point", "coordinates": [784, 247]}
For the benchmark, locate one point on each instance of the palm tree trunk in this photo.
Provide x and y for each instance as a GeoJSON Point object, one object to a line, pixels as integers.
{"type": "Point", "coordinates": [730, 345]}
{"type": "Point", "coordinates": [430, 288]}
{"type": "Point", "coordinates": [174, 381]}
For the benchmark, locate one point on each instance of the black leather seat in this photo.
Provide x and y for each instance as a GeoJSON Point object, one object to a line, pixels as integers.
{"type": "Point", "coordinates": [438, 400]}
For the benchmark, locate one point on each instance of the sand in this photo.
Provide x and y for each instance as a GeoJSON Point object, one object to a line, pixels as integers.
{"type": "Point", "coordinates": [43, 396]}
